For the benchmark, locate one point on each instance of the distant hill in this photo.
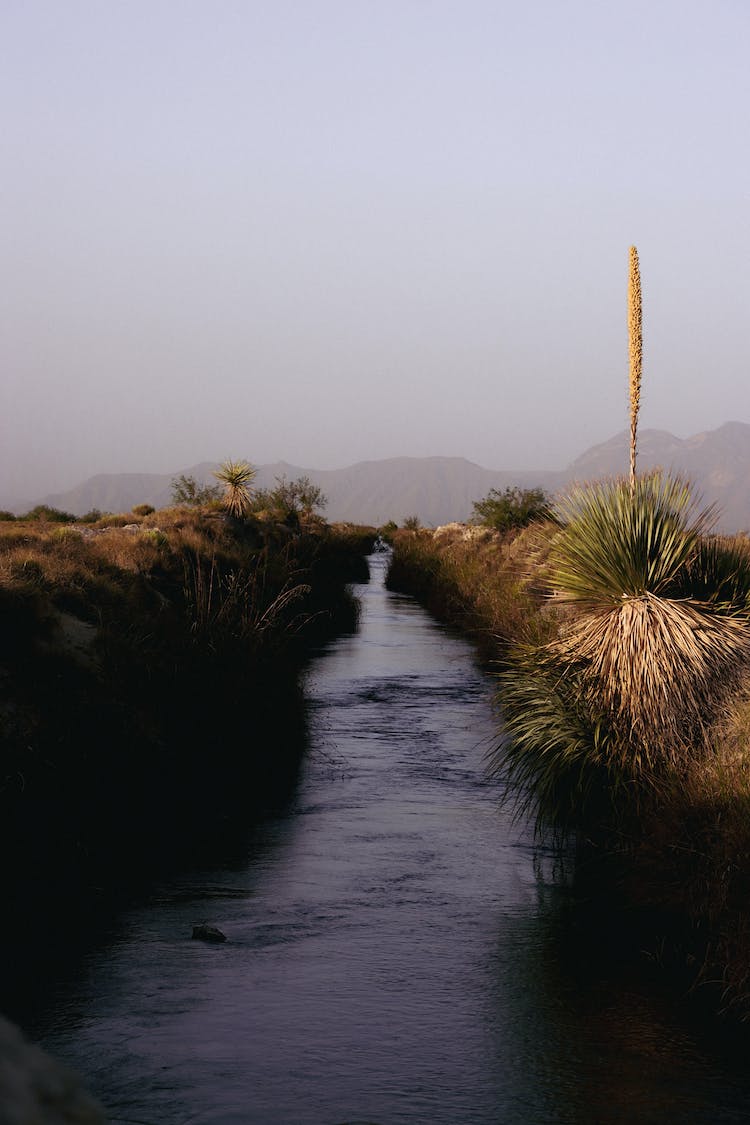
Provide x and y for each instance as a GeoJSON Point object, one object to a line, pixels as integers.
{"type": "Point", "coordinates": [716, 461]}
{"type": "Point", "coordinates": [437, 489]}
{"type": "Point", "coordinates": [442, 489]}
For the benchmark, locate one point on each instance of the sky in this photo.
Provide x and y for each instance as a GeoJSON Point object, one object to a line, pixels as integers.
{"type": "Point", "coordinates": [327, 231]}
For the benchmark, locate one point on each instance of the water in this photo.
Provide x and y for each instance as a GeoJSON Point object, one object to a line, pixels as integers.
{"type": "Point", "coordinates": [396, 950]}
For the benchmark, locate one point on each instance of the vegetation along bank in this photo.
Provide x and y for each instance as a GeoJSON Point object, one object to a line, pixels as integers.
{"type": "Point", "coordinates": [149, 673]}
{"type": "Point", "coordinates": [619, 630]}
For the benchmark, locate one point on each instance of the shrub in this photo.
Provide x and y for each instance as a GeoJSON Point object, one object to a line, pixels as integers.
{"type": "Point", "coordinates": [6, 517]}
{"type": "Point", "coordinates": [186, 491]}
{"type": "Point", "coordinates": [50, 515]}
{"type": "Point", "coordinates": [412, 523]}
{"type": "Point", "coordinates": [66, 534]}
{"type": "Point", "coordinates": [297, 497]}
{"type": "Point", "coordinates": [91, 517]}
{"type": "Point", "coordinates": [143, 509]}
{"type": "Point", "coordinates": [515, 507]}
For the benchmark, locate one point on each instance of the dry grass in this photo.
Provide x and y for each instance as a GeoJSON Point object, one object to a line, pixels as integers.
{"type": "Point", "coordinates": [490, 583]}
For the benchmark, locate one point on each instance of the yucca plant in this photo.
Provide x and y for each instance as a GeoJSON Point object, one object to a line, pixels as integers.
{"type": "Point", "coordinates": [236, 476]}
{"type": "Point", "coordinates": [619, 542]}
{"type": "Point", "coordinates": [717, 573]}
{"type": "Point", "coordinates": [554, 757]}
{"type": "Point", "coordinates": [653, 662]}
{"type": "Point", "coordinates": [658, 636]}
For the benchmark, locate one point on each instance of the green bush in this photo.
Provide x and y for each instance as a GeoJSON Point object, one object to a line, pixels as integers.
{"type": "Point", "coordinates": [92, 516]}
{"type": "Point", "coordinates": [50, 515]}
{"type": "Point", "coordinates": [6, 517]}
{"type": "Point", "coordinates": [386, 531]}
{"type": "Point", "coordinates": [512, 508]}
{"type": "Point", "coordinates": [186, 491]}
{"type": "Point", "coordinates": [297, 497]}
{"type": "Point", "coordinates": [143, 509]}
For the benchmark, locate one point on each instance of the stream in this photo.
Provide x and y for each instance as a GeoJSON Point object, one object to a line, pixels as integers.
{"type": "Point", "coordinates": [397, 947]}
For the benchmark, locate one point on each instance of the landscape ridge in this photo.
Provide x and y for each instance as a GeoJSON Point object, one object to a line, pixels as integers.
{"type": "Point", "coordinates": [442, 490]}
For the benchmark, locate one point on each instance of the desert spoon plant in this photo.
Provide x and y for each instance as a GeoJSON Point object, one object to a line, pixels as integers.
{"type": "Point", "coordinates": [655, 634]}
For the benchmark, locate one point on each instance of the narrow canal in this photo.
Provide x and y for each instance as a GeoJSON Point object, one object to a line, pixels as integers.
{"type": "Point", "coordinates": [395, 950]}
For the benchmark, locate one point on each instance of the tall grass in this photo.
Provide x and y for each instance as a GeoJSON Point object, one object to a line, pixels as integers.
{"type": "Point", "coordinates": [481, 580]}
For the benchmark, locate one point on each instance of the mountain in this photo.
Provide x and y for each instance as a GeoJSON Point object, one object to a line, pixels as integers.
{"type": "Point", "coordinates": [442, 489]}
{"type": "Point", "coordinates": [437, 489]}
{"type": "Point", "coordinates": [717, 462]}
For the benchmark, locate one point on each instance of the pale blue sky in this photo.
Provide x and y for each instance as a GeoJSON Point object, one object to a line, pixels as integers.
{"type": "Point", "coordinates": [336, 230]}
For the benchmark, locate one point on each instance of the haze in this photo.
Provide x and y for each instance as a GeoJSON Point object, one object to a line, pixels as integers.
{"type": "Point", "coordinates": [334, 231]}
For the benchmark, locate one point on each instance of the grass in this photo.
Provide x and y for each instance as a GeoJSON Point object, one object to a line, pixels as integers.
{"type": "Point", "coordinates": [487, 582]}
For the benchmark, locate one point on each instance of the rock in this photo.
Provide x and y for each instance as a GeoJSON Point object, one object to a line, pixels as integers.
{"type": "Point", "coordinates": [208, 933]}
{"type": "Point", "coordinates": [34, 1088]}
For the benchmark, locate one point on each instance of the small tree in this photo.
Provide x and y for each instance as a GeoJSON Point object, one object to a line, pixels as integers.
{"type": "Point", "coordinates": [297, 497]}
{"type": "Point", "coordinates": [515, 507]}
{"type": "Point", "coordinates": [412, 523]}
{"type": "Point", "coordinates": [187, 492]}
{"type": "Point", "coordinates": [236, 476]}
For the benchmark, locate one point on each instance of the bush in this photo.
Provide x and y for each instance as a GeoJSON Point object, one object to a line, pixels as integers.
{"type": "Point", "coordinates": [50, 515]}
{"type": "Point", "coordinates": [412, 523]}
{"type": "Point", "coordinates": [92, 516]}
{"type": "Point", "coordinates": [296, 497]}
{"type": "Point", "coordinates": [6, 517]}
{"type": "Point", "coordinates": [515, 507]}
{"type": "Point", "coordinates": [186, 491]}
{"type": "Point", "coordinates": [66, 534]}
{"type": "Point", "coordinates": [143, 509]}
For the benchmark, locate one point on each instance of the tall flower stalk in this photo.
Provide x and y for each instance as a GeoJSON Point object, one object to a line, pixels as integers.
{"type": "Point", "coordinates": [635, 341]}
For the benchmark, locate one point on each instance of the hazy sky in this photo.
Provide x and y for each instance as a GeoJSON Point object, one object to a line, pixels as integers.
{"type": "Point", "coordinates": [336, 230]}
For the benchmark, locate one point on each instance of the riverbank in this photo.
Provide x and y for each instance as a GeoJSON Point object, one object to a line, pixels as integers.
{"type": "Point", "coordinates": [149, 685]}
{"type": "Point", "coordinates": [682, 865]}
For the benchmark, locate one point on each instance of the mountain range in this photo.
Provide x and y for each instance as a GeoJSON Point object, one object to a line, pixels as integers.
{"type": "Point", "coordinates": [442, 489]}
